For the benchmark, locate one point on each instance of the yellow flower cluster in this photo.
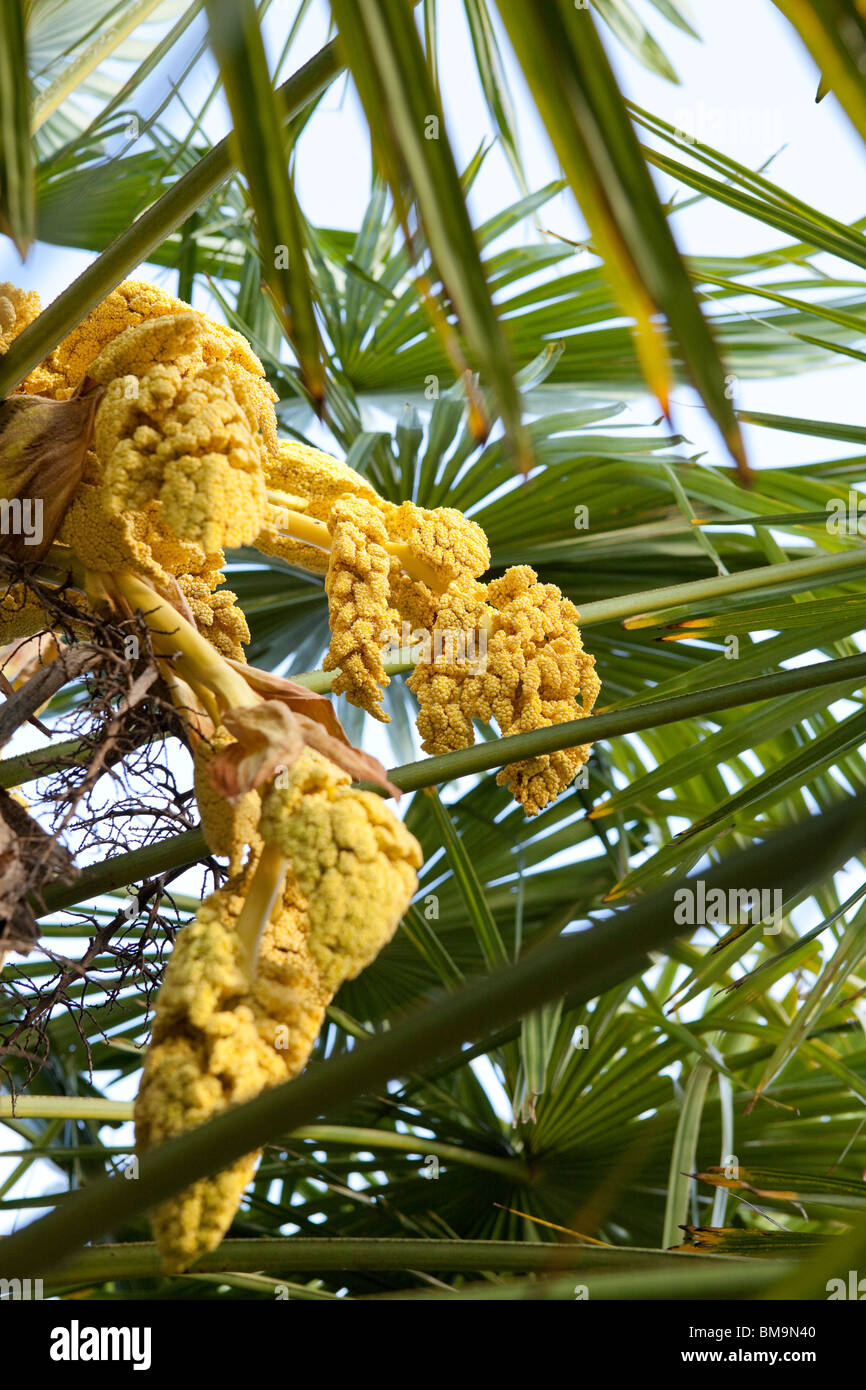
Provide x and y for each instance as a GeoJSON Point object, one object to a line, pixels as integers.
{"type": "Point", "coordinates": [224, 1032]}
{"type": "Point", "coordinates": [218, 616]}
{"type": "Point", "coordinates": [180, 430]}
{"type": "Point", "coordinates": [229, 827]}
{"type": "Point", "coordinates": [384, 564]}
{"type": "Point", "coordinates": [62, 372]}
{"type": "Point", "coordinates": [185, 463]}
{"type": "Point", "coordinates": [134, 302]}
{"type": "Point", "coordinates": [536, 633]}
{"type": "Point", "coordinates": [218, 1041]}
{"type": "Point", "coordinates": [303, 479]}
{"type": "Point", "coordinates": [18, 308]}
{"type": "Point", "coordinates": [445, 712]}
{"type": "Point", "coordinates": [181, 438]}
{"type": "Point", "coordinates": [388, 565]}
{"type": "Point", "coordinates": [187, 445]}
{"type": "Point", "coordinates": [357, 589]}
{"type": "Point", "coordinates": [442, 543]}
{"type": "Point", "coordinates": [21, 614]}
{"type": "Point", "coordinates": [533, 673]}
{"type": "Point", "coordinates": [353, 860]}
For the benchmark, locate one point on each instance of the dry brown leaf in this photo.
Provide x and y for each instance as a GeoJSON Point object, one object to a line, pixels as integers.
{"type": "Point", "coordinates": [297, 697]}
{"type": "Point", "coordinates": [42, 448]}
{"type": "Point", "coordinates": [21, 659]}
{"type": "Point", "coordinates": [361, 766]}
{"type": "Point", "coordinates": [29, 858]}
{"type": "Point", "coordinates": [270, 737]}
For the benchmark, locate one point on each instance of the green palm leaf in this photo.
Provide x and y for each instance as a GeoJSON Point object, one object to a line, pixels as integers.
{"type": "Point", "coordinates": [261, 154]}
{"type": "Point", "coordinates": [17, 192]}
{"type": "Point", "coordinates": [574, 87]}
{"type": "Point", "coordinates": [382, 47]}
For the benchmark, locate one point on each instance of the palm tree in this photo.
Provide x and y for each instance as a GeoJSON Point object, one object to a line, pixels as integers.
{"type": "Point", "coordinates": [565, 1063]}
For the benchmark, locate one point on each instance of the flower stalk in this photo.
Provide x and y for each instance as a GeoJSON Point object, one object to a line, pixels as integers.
{"type": "Point", "coordinates": [261, 896]}
{"type": "Point", "coordinates": [303, 528]}
{"type": "Point", "coordinates": [176, 640]}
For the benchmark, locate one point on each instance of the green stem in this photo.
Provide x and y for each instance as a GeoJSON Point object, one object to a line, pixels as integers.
{"type": "Point", "coordinates": [85, 1108]}
{"type": "Point", "coordinates": [706, 1282]}
{"type": "Point", "coordinates": [150, 229]}
{"type": "Point", "coordinates": [580, 965]}
{"type": "Point", "coordinates": [513, 1168]}
{"type": "Point", "coordinates": [176, 852]}
{"type": "Point", "coordinates": [188, 847]}
{"type": "Point", "coordinates": [719, 586]}
{"type": "Point", "coordinates": [791, 572]}
{"type": "Point", "coordinates": [141, 1260]}
{"type": "Point", "coordinates": [483, 757]}
{"type": "Point", "coordinates": [65, 1108]}
{"type": "Point", "coordinates": [320, 682]}
{"type": "Point", "coordinates": [105, 1111]}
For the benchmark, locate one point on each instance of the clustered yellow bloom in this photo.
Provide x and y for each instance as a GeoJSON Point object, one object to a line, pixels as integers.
{"type": "Point", "coordinates": [340, 871]}
{"type": "Point", "coordinates": [390, 565]}
{"type": "Point", "coordinates": [303, 479]}
{"type": "Point", "coordinates": [534, 673]}
{"type": "Point", "coordinates": [18, 308]}
{"type": "Point", "coordinates": [182, 433]}
{"type": "Point", "coordinates": [134, 302]}
{"type": "Point", "coordinates": [219, 1039]}
{"type": "Point", "coordinates": [443, 543]}
{"type": "Point", "coordinates": [357, 589]}
{"type": "Point", "coordinates": [187, 445]}
{"type": "Point", "coordinates": [229, 827]}
{"type": "Point", "coordinates": [243, 1000]}
{"type": "Point", "coordinates": [535, 633]}
{"type": "Point", "coordinates": [217, 616]}
{"type": "Point", "coordinates": [444, 713]}
{"type": "Point", "coordinates": [352, 859]}
{"type": "Point", "coordinates": [21, 614]}
{"type": "Point", "coordinates": [385, 564]}
{"type": "Point", "coordinates": [179, 442]}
